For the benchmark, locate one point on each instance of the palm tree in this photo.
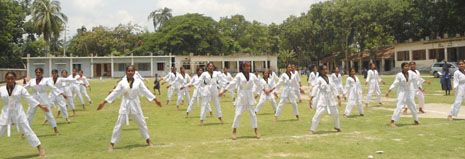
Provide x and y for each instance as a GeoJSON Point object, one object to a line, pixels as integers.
{"type": "Point", "coordinates": [48, 20]}
{"type": "Point", "coordinates": [287, 55]}
{"type": "Point", "coordinates": [159, 17]}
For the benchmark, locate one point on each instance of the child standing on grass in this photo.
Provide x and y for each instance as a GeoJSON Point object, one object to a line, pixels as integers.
{"type": "Point", "coordinates": [12, 111]}
{"type": "Point", "coordinates": [445, 80]}
{"type": "Point", "coordinates": [459, 89]}
{"type": "Point", "coordinates": [353, 91]}
{"type": "Point", "coordinates": [373, 81]}
{"type": "Point", "coordinates": [245, 81]}
{"type": "Point", "coordinates": [130, 88]}
{"type": "Point", "coordinates": [156, 84]}
{"type": "Point", "coordinates": [406, 84]}
{"type": "Point", "coordinates": [267, 83]}
{"type": "Point", "coordinates": [287, 94]}
{"type": "Point", "coordinates": [326, 91]}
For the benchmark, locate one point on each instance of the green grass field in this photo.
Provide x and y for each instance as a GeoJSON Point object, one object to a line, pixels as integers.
{"type": "Point", "coordinates": [88, 136]}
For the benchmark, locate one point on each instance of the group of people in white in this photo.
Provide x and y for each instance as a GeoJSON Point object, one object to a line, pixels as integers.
{"type": "Point", "coordinates": [244, 88]}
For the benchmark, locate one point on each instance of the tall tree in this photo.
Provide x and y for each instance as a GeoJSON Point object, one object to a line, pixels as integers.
{"type": "Point", "coordinates": [159, 17]}
{"type": "Point", "coordinates": [48, 19]}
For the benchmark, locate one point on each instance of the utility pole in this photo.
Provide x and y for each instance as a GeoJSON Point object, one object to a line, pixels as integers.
{"type": "Point", "coordinates": [64, 42]}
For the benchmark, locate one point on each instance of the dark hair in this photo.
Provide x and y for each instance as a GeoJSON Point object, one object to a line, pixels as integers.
{"type": "Point", "coordinates": [403, 64]}
{"type": "Point", "coordinates": [321, 69]}
{"type": "Point", "coordinates": [64, 71]}
{"type": "Point", "coordinates": [127, 67]}
{"type": "Point", "coordinates": [198, 69]}
{"type": "Point", "coordinates": [182, 67]}
{"type": "Point", "coordinates": [40, 69]}
{"type": "Point", "coordinates": [81, 71]}
{"type": "Point", "coordinates": [264, 75]}
{"type": "Point", "coordinates": [55, 70]}
{"type": "Point", "coordinates": [74, 69]}
{"type": "Point", "coordinates": [412, 63]}
{"type": "Point", "coordinates": [10, 73]}
{"type": "Point", "coordinates": [242, 65]}
{"type": "Point", "coordinates": [371, 64]}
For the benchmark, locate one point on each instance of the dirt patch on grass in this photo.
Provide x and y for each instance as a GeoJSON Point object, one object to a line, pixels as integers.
{"type": "Point", "coordinates": [432, 110]}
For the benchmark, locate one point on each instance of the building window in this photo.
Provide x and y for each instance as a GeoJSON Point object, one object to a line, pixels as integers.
{"type": "Point", "coordinates": [186, 65]}
{"type": "Point", "coordinates": [419, 55]}
{"type": "Point", "coordinates": [160, 66]}
{"type": "Point", "coordinates": [143, 66]}
{"type": "Point", "coordinates": [403, 56]}
{"type": "Point", "coordinates": [436, 54]}
{"type": "Point", "coordinates": [122, 67]}
{"type": "Point", "coordinates": [77, 66]}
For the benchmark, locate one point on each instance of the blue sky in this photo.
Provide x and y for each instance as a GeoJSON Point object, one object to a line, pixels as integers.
{"type": "Point", "coordinates": [110, 13]}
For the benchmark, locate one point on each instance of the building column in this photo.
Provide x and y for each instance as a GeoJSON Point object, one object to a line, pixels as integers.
{"type": "Point", "coordinates": [266, 64]}
{"type": "Point", "coordinates": [238, 65]}
{"type": "Point", "coordinates": [253, 66]}
{"type": "Point", "coordinates": [50, 66]}
{"type": "Point", "coordinates": [410, 55]}
{"type": "Point", "coordinates": [132, 59]}
{"type": "Point", "coordinates": [151, 64]}
{"type": "Point", "coordinates": [445, 54]}
{"type": "Point", "coordinates": [382, 65]}
{"type": "Point", "coordinates": [344, 64]}
{"type": "Point", "coordinates": [222, 62]}
{"type": "Point", "coordinates": [27, 65]}
{"type": "Point", "coordinates": [170, 62]}
{"type": "Point", "coordinates": [71, 63]}
{"type": "Point", "coordinates": [427, 54]}
{"type": "Point", "coordinates": [91, 65]}
{"type": "Point", "coordinates": [112, 66]}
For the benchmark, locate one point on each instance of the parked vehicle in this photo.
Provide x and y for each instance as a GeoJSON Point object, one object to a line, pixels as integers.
{"type": "Point", "coordinates": [436, 68]}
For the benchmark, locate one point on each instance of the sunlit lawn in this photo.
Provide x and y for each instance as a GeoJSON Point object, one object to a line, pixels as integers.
{"type": "Point", "coordinates": [88, 136]}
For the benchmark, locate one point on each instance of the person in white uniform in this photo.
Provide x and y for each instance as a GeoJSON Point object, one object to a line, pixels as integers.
{"type": "Point", "coordinates": [459, 89]}
{"type": "Point", "coordinates": [267, 84]}
{"type": "Point", "coordinates": [66, 86]}
{"type": "Point", "coordinates": [336, 77]}
{"type": "Point", "coordinates": [208, 83]}
{"type": "Point", "coordinates": [84, 84]}
{"type": "Point", "coordinates": [13, 112]}
{"type": "Point", "coordinates": [245, 81]}
{"type": "Point", "coordinates": [287, 93]}
{"type": "Point", "coordinates": [313, 76]}
{"type": "Point", "coordinates": [75, 88]}
{"type": "Point", "coordinates": [326, 90]}
{"type": "Point", "coordinates": [169, 78]}
{"type": "Point", "coordinates": [272, 74]}
{"type": "Point", "coordinates": [39, 86]}
{"type": "Point", "coordinates": [130, 88]}
{"type": "Point", "coordinates": [225, 79]}
{"type": "Point", "coordinates": [196, 95]}
{"type": "Point", "coordinates": [298, 84]}
{"type": "Point", "coordinates": [406, 84]}
{"type": "Point", "coordinates": [180, 82]}
{"type": "Point", "coordinates": [59, 99]}
{"type": "Point", "coordinates": [373, 81]}
{"type": "Point", "coordinates": [353, 92]}
{"type": "Point", "coordinates": [418, 92]}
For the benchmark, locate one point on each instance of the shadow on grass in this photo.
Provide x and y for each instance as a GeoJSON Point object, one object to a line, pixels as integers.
{"type": "Point", "coordinates": [132, 146]}
{"type": "Point", "coordinates": [265, 113]}
{"type": "Point", "coordinates": [354, 116]}
{"type": "Point", "coordinates": [212, 124]}
{"type": "Point", "coordinates": [325, 132]}
{"type": "Point", "coordinates": [288, 120]}
{"type": "Point", "coordinates": [25, 156]}
{"type": "Point", "coordinates": [46, 135]}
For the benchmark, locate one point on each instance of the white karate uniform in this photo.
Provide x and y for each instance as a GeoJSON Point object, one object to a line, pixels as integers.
{"type": "Point", "coordinates": [130, 106]}
{"type": "Point", "coordinates": [40, 94]}
{"type": "Point", "coordinates": [313, 77]}
{"type": "Point", "coordinates": [196, 95]}
{"type": "Point", "coordinates": [297, 85]}
{"type": "Point", "coordinates": [59, 99]}
{"type": "Point", "coordinates": [326, 92]}
{"type": "Point", "coordinates": [337, 80]}
{"type": "Point", "coordinates": [76, 90]}
{"type": "Point", "coordinates": [209, 92]}
{"type": "Point", "coordinates": [66, 86]}
{"type": "Point", "coordinates": [245, 97]}
{"type": "Point", "coordinates": [287, 93]}
{"type": "Point", "coordinates": [405, 94]}
{"type": "Point", "coordinates": [225, 79]}
{"type": "Point", "coordinates": [12, 112]}
{"type": "Point", "coordinates": [353, 91]}
{"type": "Point", "coordinates": [267, 84]}
{"type": "Point", "coordinates": [273, 76]}
{"type": "Point", "coordinates": [83, 89]}
{"type": "Point", "coordinates": [179, 82]}
{"type": "Point", "coordinates": [169, 78]}
{"type": "Point", "coordinates": [418, 93]}
{"type": "Point", "coordinates": [373, 82]}
{"type": "Point", "coordinates": [459, 86]}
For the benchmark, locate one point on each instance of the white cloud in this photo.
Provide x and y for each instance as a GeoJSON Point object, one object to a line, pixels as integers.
{"type": "Point", "coordinates": [87, 5]}
{"type": "Point", "coordinates": [211, 8]}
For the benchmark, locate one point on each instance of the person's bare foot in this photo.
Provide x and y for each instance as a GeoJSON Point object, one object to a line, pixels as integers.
{"type": "Point", "coordinates": [211, 114]}
{"type": "Point", "coordinates": [41, 151]}
{"type": "Point", "coordinates": [417, 122]}
{"type": "Point", "coordinates": [221, 120]}
{"type": "Point", "coordinates": [275, 119]}
{"type": "Point", "coordinates": [338, 129]}
{"type": "Point", "coordinates": [83, 107]}
{"type": "Point", "coordinates": [421, 110]}
{"type": "Point", "coordinates": [57, 133]}
{"type": "Point", "coordinates": [366, 105]}
{"type": "Point", "coordinates": [90, 102]}
{"type": "Point", "coordinates": [405, 111]}
{"type": "Point", "coordinates": [187, 115]}
{"type": "Point", "coordinates": [393, 125]}
{"type": "Point", "coordinates": [345, 116]}
{"type": "Point", "coordinates": [68, 121]}
{"type": "Point", "coordinates": [177, 108]}
{"type": "Point", "coordinates": [167, 102]}
{"type": "Point", "coordinates": [74, 113]}
{"type": "Point", "coordinates": [450, 118]}
{"type": "Point", "coordinates": [201, 122]}
{"type": "Point", "coordinates": [111, 147]}
{"type": "Point", "coordinates": [298, 118]}
{"type": "Point", "coordinates": [21, 136]}
{"type": "Point", "coordinates": [58, 114]}
{"type": "Point", "coordinates": [233, 136]}
{"type": "Point", "coordinates": [380, 103]}
{"type": "Point", "coordinates": [149, 143]}
{"type": "Point", "coordinates": [257, 134]}
{"type": "Point", "coordinates": [45, 122]}
{"type": "Point", "coordinates": [300, 101]}
{"type": "Point", "coordinates": [310, 133]}
{"type": "Point", "coordinates": [362, 114]}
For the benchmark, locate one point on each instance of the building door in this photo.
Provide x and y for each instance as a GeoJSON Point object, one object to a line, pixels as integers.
{"type": "Point", "coordinates": [452, 55]}
{"type": "Point", "coordinates": [97, 70]}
